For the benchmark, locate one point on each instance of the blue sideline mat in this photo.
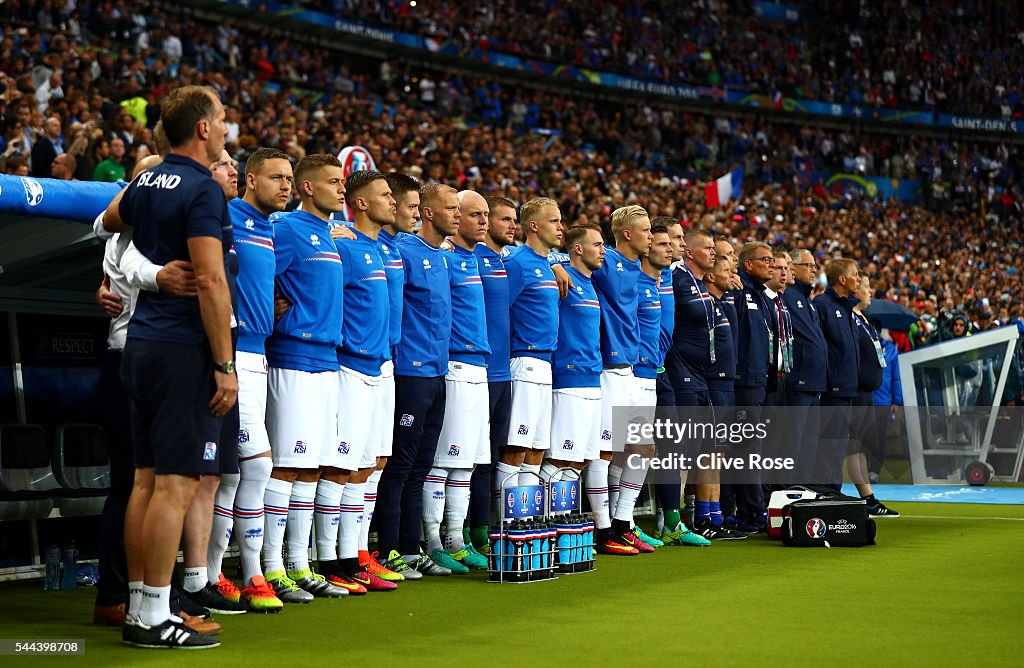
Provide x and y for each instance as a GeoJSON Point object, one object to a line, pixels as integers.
{"type": "Point", "coordinates": [945, 494]}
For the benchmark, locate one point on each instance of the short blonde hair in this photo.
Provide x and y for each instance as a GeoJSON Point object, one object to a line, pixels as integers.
{"type": "Point", "coordinates": [531, 209]}
{"type": "Point", "coordinates": [625, 218]}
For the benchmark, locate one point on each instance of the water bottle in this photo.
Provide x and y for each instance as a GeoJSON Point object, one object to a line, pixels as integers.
{"type": "Point", "coordinates": [574, 553]}
{"type": "Point", "coordinates": [690, 510]}
{"type": "Point", "coordinates": [520, 560]}
{"type": "Point", "coordinates": [494, 559]}
{"type": "Point", "coordinates": [536, 548]}
{"type": "Point", "coordinates": [70, 563]}
{"type": "Point", "coordinates": [588, 539]}
{"type": "Point", "coordinates": [52, 580]}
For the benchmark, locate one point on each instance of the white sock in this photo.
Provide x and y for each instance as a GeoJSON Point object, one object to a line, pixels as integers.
{"type": "Point", "coordinates": [156, 605]}
{"type": "Point", "coordinates": [550, 473]}
{"type": "Point", "coordinates": [630, 486]}
{"type": "Point", "coordinates": [351, 520]}
{"type": "Point", "coordinates": [275, 506]}
{"type": "Point", "coordinates": [195, 578]}
{"type": "Point", "coordinates": [433, 507]}
{"type": "Point", "coordinates": [249, 530]}
{"type": "Point", "coordinates": [369, 503]}
{"type": "Point", "coordinates": [223, 525]}
{"type": "Point", "coordinates": [595, 479]}
{"type": "Point", "coordinates": [456, 508]}
{"type": "Point", "coordinates": [660, 519]}
{"type": "Point", "coordinates": [501, 471]}
{"type": "Point", "coordinates": [134, 598]}
{"type": "Point", "coordinates": [326, 517]}
{"type": "Point", "coordinates": [614, 476]}
{"type": "Point", "coordinates": [300, 525]}
{"type": "Point", "coordinates": [529, 474]}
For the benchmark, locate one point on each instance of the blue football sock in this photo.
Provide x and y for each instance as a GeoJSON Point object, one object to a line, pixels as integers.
{"type": "Point", "coordinates": [715, 513]}
{"type": "Point", "coordinates": [703, 509]}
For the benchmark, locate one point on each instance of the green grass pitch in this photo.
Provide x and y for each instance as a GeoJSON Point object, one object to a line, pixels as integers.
{"type": "Point", "coordinates": [941, 588]}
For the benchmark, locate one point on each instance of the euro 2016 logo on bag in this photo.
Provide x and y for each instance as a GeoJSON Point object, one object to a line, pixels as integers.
{"type": "Point", "coordinates": [300, 448]}
{"type": "Point", "coordinates": [523, 430]}
{"type": "Point", "coordinates": [453, 450]}
{"type": "Point", "coordinates": [816, 527]}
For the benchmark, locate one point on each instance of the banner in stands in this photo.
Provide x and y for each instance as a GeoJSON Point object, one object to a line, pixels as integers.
{"type": "Point", "coordinates": [907, 190]}
{"type": "Point", "coordinates": [770, 11]}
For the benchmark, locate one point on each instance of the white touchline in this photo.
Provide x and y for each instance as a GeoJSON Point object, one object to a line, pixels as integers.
{"type": "Point", "coordinates": [954, 517]}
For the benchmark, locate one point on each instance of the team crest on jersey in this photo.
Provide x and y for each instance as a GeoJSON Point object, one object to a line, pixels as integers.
{"type": "Point", "coordinates": [453, 450]}
{"type": "Point", "coordinates": [606, 435]}
{"type": "Point", "coordinates": [406, 420]}
{"type": "Point", "coordinates": [368, 260]}
{"type": "Point", "coordinates": [300, 448]}
{"type": "Point", "coordinates": [343, 448]}
{"type": "Point", "coordinates": [567, 445]}
{"type": "Point", "coordinates": [314, 239]}
{"type": "Point", "coordinates": [523, 430]}
{"type": "Point", "coordinates": [243, 436]}
{"type": "Point", "coordinates": [210, 451]}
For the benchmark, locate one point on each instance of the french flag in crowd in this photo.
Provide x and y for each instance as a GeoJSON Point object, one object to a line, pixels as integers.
{"type": "Point", "coordinates": [720, 191]}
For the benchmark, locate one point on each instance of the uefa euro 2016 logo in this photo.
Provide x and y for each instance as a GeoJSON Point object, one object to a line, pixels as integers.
{"type": "Point", "coordinates": [511, 500]}
{"type": "Point", "coordinates": [538, 498]}
{"type": "Point", "coordinates": [816, 527]}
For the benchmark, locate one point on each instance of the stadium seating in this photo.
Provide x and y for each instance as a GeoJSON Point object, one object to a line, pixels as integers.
{"type": "Point", "coordinates": [25, 475]}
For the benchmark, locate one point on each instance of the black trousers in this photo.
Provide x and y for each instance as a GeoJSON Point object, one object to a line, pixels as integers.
{"type": "Point", "coordinates": [419, 413]}
{"type": "Point", "coordinates": [112, 588]}
{"type": "Point", "coordinates": [500, 397]}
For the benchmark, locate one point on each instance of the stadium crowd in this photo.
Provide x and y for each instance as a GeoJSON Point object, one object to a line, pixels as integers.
{"type": "Point", "coordinates": [96, 107]}
{"type": "Point", "coordinates": [961, 57]}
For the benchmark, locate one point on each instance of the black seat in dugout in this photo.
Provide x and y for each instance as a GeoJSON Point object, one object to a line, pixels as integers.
{"type": "Point", "coordinates": [81, 468]}
{"type": "Point", "coordinates": [26, 478]}
{"type": "Point", "coordinates": [80, 458]}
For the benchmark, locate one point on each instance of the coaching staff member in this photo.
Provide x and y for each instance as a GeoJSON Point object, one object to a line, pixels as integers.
{"type": "Point", "coordinates": [178, 363]}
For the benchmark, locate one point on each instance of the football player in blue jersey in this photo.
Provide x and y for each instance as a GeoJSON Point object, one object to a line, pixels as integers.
{"type": "Point", "coordinates": [303, 379]}
{"type": "Point", "coordinates": [533, 299]}
{"type": "Point", "coordinates": [501, 227]}
{"type": "Point", "coordinates": [464, 440]}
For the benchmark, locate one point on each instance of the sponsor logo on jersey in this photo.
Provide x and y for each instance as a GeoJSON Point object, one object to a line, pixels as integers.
{"type": "Point", "coordinates": [314, 239]}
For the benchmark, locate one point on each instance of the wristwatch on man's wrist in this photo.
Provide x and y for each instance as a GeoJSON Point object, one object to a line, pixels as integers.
{"type": "Point", "coordinates": [227, 367]}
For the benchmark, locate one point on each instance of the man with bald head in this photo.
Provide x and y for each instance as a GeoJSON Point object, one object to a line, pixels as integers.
{"type": "Point", "coordinates": [464, 440]}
